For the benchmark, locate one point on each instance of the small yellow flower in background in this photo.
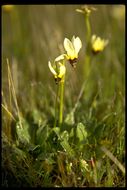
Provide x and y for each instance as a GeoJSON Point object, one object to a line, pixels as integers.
{"type": "Point", "coordinates": [7, 8]}
{"type": "Point", "coordinates": [84, 166]}
{"type": "Point", "coordinates": [58, 70]}
{"type": "Point", "coordinates": [72, 48]}
{"type": "Point", "coordinates": [98, 44]}
{"type": "Point", "coordinates": [85, 9]}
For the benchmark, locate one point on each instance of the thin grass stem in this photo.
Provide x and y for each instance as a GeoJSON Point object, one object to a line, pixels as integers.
{"type": "Point", "coordinates": [13, 92]}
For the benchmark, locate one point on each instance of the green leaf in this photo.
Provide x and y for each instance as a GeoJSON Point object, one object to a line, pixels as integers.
{"type": "Point", "coordinates": [65, 135]}
{"type": "Point", "coordinates": [34, 117]}
{"type": "Point", "coordinates": [72, 132]}
{"type": "Point", "coordinates": [67, 148]}
{"type": "Point", "coordinates": [62, 136]}
{"type": "Point", "coordinates": [42, 134]}
{"type": "Point", "coordinates": [70, 118]}
{"type": "Point", "coordinates": [81, 132]}
{"type": "Point", "coordinates": [23, 132]}
{"type": "Point", "coordinates": [57, 131]}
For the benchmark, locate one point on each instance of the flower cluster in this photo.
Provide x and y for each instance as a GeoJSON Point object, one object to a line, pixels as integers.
{"type": "Point", "coordinates": [58, 70]}
{"type": "Point", "coordinates": [72, 49]}
{"type": "Point", "coordinates": [86, 9]}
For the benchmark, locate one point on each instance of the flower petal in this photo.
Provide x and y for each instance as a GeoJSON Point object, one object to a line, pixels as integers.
{"type": "Point", "coordinates": [77, 44]}
{"type": "Point", "coordinates": [51, 69]}
{"type": "Point", "coordinates": [93, 38]}
{"type": "Point", "coordinates": [69, 47]}
{"type": "Point", "coordinates": [61, 57]}
{"type": "Point", "coordinates": [62, 71]}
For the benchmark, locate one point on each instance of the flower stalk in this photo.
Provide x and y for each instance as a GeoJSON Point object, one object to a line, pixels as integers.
{"type": "Point", "coordinates": [56, 105]}
{"type": "Point", "coordinates": [61, 101]}
{"type": "Point", "coordinates": [88, 27]}
{"type": "Point", "coordinates": [88, 35]}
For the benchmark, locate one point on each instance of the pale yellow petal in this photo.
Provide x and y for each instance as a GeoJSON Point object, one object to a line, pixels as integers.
{"type": "Point", "coordinates": [93, 38]}
{"type": "Point", "coordinates": [69, 48]}
{"type": "Point", "coordinates": [61, 57]}
{"type": "Point", "coordinates": [77, 44]}
{"type": "Point", "coordinates": [51, 68]}
{"type": "Point", "coordinates": [73, 39]}
{"type": "Point", "coordinates": [62, 71]}
{"type": "Point", "coordinates": [80, 11]}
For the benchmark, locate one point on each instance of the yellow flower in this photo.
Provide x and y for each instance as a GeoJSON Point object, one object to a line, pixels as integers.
{"type": "Point", "coordinates": [84, 166]}
{"type": "Point", "coordinates": [72, 48]}
{"type": "Point", "coordinates": [85, 9]}
{"type": "Point", "coordinates": [98, 44]}
{"type": "Point", "coordinates": [58, 70]}
{"type": "Point", "coordinates": [8, 7]}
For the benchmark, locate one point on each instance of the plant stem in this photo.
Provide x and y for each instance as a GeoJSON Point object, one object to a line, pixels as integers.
{"type": "Point", "coordinates": [56, 105]}
{"type": "Point", "coordinates": [88, 27]}
{"type": "Point", "coordinates": [61, 102]}
{"type": "Point", "coordinates": [88, 35]}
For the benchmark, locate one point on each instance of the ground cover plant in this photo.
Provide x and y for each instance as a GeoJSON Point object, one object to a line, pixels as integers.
{"type": "Point", "coordinates": [63, 96]}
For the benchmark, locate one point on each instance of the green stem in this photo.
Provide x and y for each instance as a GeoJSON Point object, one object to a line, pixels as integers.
{"type": "Point", "coordinates": [88, 27]}
{"type": "Point", "coordinates": [87, 65]}
{"type": "Point", "coordinates": [61, 101]}
{"type": "Point", "coordinates": [88, 35]}
{"type": "Point", "coordinates": [56, 105]}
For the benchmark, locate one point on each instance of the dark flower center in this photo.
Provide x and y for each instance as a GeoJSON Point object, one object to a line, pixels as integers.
{"type": "Point", "coordinates": [73, 62]}
{"type": "Point", "coordinates": [57, 80]}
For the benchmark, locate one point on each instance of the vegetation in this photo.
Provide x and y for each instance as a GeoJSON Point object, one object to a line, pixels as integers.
{"type": "Point", "coordinates": [57, 130]}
